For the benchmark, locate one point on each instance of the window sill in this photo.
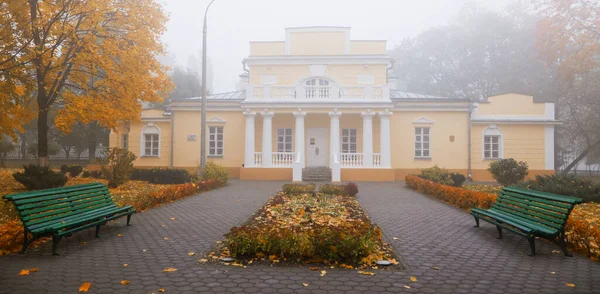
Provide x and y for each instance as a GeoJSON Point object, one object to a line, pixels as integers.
{"type": "Point", "coordinates": [422, 158]}
{"type": "Point", "coordinates": [150, 156]}
{"type": "Point", "coordinates": [215, 156]}
{"type": "Point", "coordinates": [492, 159]}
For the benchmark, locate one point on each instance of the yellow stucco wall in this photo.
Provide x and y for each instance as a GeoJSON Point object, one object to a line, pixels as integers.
{"type": "Point", "coordinates": [521, 142]}
{"type": "Point", "coordinates": [511, 104]}
{"type": "Point", "coordinates": [444, 153]}
{"type": "Point", "coordinates": [135, 134]}
{"type": "Point", "coordinates": [368, 47]}
{"type": "Point", "coordinates": [267, 48]}
{"type": "Point", "coordinates": [317, 43]}
{"type": "Point", "coordinates": [345, 74]}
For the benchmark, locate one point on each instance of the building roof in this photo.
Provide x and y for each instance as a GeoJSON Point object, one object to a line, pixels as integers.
{"type": "Point", "coordinates": [235, 95]}
{"type": "Point", "coordinates": [398, 94]}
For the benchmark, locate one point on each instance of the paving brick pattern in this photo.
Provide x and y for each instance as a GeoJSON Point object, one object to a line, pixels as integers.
{"type": "Point", "coordinates": [430, 234]}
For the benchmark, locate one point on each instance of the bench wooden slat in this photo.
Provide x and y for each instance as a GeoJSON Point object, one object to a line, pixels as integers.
{"type": "Point", "coordinates": [494, 215]}
{"type": "Point", "coordinates": [532, 216]}
{"type": "Point", "coordinates": [545, 195]}
{"type": "Point", "coordinates": [537, 227]}
{"type": "Point", "coordinates": [530, 206]}
{"type": "Point", "coordinates": [62, 211]}
{"type": "Point", "coordinates": [550, 205]}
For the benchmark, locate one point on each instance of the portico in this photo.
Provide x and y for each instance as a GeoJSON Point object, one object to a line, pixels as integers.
{"type": "Point", "coordinates": [344, 138]}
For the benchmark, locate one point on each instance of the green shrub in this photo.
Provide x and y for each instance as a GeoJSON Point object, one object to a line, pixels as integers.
{"type": "Point", "coordinates": [214, 171]}
{"type": "Point", "coordinates": [36, 177]}
{"type": "Point", "coordinates": [568, 185]}
{"type": "Point", "coordinates": [96, 174]}
{"type": "Point", "coordinates": [161, 175]}
{"type": "Point", "coordinates": [118, 166]}
{"type": "Point", "coordinates": [437, 174]}
{"type": "Point", "coordinates": [86, 174]}
{"type": "Point", "coordinates": [298, 189]}
{"type": "Point", "coordinates": [457, 179]}
{"type": "Point", "coordinates": [508, 171]}
{"type": "Point", "coordinates": [349, 189]}
{"type": "Point", "coordinates": [73, 170]}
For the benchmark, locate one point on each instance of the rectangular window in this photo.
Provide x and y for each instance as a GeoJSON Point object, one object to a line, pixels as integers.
{"type": "Point", "coordinates": [422, 147]}
{"type": "Point", "coordinates": [150, 144]}
{"type": "Point", "coordinates": [349, 141]}
{"type": "Point", "coordinates": [125, 141]}
{"type": "Point", "coordinates": [491, 147]}
{"type": "Point", "coordinates": [215, 141]}
{"type": "Point", "coordinates": [284, 140]}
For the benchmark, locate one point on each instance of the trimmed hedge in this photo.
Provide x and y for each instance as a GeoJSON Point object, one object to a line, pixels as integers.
{"type": "Point", "coordinates": [568, 185]}
{"type": "Point", "coordinates": [161, 175]}
{"type": "Point", "coordinates": [36, 177]}
{"type": "Point", "coordinates": [458, 197]}
{"type": "Point", "coordinates": [298, 189]}
{"type": "Point", "coordinates": [349, 189]}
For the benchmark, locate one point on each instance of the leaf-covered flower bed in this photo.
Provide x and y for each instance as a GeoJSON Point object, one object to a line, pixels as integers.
{"type": "Point", "coordinates": [316, 228]}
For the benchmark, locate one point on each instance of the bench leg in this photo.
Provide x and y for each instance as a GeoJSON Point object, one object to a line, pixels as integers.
{"type": "Point", "coordinates": [128, 219]}
{"type": "Point", "coordinates": [26, 241]}
{"type": "Point", "coordinates": [563, 245]}
{"type": "Point", "coordinates": [476, 221]}
{"type": "Point", "coordinates": [499, 228]}
{"type": "Point", "coordinates": [97, 231]}
{"type": "Point", "coordinates": [531, 245]}
{"type": "Point", "coordinates": [55, 240]}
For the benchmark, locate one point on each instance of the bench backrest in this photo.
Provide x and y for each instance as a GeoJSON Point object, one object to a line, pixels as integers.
{"type": "Point", "coordinates": [547, 209]}
{"type": "Point", "coordinates": [41, 206]}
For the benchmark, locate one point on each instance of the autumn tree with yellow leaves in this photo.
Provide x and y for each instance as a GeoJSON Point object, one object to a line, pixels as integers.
{"type": "Point", "coordinates": [90, 60]}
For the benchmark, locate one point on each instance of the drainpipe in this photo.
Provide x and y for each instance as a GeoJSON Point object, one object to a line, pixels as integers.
{"type": "Point", "coordinates": [387, 70]}
{"type": "Point", "coordinates": [469, 171]}
{"type": "Point", "coordinates": [172, 135]}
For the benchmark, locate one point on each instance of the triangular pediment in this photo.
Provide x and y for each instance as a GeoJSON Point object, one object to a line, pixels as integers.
{"type": "Point", "coordinates": [216, 120]}
{"type": "Point", "coordinates": [423, 120]}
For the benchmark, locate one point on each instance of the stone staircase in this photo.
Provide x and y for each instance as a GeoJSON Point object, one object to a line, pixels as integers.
{"type": "Point", "coordinates": [316, 174]}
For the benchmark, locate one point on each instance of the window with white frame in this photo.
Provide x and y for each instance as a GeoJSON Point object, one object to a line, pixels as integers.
{"type": "Point", "coordinates": [422, 145]}
{"type": "Point", "coordinates": [215, 141]}
{"type": "Point", "coordinates": [284, 140]}
{"type": "Point", "coordinates": [317, 88]}
{"type": "Point", "coordinates": [349, 144]}
{"type": "Point", "coordinates": [492, 143]}
{"type": "Point", "coordinates": [125, 141]}
{"type": "Point", "coordinates": [150, 141]}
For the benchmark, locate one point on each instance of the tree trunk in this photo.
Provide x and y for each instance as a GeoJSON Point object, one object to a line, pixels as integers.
{"type": "Point", "coordinates": [42, 125]}
{"type": "Point", "coordinates": [92, 151]}
{"type": "Point", "coordinates": [580, 157]}
{"type": "Point", "coordinates": [23, 146]}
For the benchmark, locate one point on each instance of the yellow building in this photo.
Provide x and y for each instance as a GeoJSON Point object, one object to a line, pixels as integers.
{"type": "Point", "coordinates": [319, 99]}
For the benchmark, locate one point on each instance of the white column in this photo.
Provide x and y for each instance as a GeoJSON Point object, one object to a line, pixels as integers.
{"type": "Point", "coordinates": [367, 135]}
{"type": "Point", "coordinates": [334, 134]}
{"type": "Point", "coordinates": [249, 146]}
{"type": "Point", "coordinates": [267, 142]}
{"type": "Point", "coordinates": [385, 142]}
{"type": "Point", "coordinates": [299, 136]}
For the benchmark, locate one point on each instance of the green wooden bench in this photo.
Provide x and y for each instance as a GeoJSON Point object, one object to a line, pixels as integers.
{"type": "Point", "coordinates": [59, 212]}
{"type": "Point", "coordinates": [530, 214]}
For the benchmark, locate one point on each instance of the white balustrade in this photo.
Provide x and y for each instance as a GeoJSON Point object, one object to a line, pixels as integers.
{"type": "Point", "coordinates": [258, 159]}
{"type": "Point", "coordinates": [376, 159]}
{"type": "Point", "coordinates": [283, 159]}
{"type": "Point", "coordinates": [348, 160]}
{"type": "Point", "coordinates": [319, 92]}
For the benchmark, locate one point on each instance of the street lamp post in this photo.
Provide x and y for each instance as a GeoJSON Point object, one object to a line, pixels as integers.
{"type": "Point", "coordinates": [203, 132]}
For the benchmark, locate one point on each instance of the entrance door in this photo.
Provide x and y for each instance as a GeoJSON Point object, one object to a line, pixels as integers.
{"type": "Point", "coordinates": [316, 147]}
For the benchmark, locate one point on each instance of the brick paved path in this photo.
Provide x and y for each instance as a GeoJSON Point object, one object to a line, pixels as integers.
{"type": "Point", "coordinates": [430, 234]}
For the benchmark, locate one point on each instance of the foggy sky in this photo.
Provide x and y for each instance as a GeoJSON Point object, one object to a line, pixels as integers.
{"type": "Point", "coordinates": [232, 24]}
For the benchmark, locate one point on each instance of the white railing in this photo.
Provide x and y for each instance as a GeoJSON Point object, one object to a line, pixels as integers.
{"type": "Point", "coordinates": [283, 159]}
{"type": "Point", "coordinates": [319, 92]}
{"type": "Point", "coordinates": [257, 158]}
{"type": "Point", "coordinates": [351, 160]}
{"type": "Point", "coordinates": [376, 159]}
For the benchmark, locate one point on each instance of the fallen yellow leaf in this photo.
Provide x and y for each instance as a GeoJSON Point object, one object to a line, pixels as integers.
{"type": "Point", "coordinates": [24, 272]}
{"type": "Point", "coordinates": [119, 235]}
{"type": "Point", "coordinates": [323, 273]}
{"type": "Point", "coordinates": [191, 253]}
{"type": "Point", "coordinates": [436, 268]}
{"type": "Point", "coordinates": [305, 284]}
{"type": "Point", "coordinates": [33, 270]}
{"type": "Point", "coordinates": [570, 285]}
{"type": "Point", "coordinates": [85, 287]}
{"type": "Point", "coordinates": [553, 273]}
{"type": "Point", "coordinates": [172, 218]}
{"type": "Point", "coordinates": [413, 279]}
{"type": "Point", "coordinates": [161, 290]}
{"type": "Point", "coordinates": [366, 273]}
{"type": "Point", "coordinates": [124, 282]}
{"type": "Point", "coordinates": [168, 270]}
{"type": "Point", "coordinates": [125, 264]}
{"type": "Point", "coordinates": [202, 260]}
{"type": "Point", "coordinates": [83, 242]}
{"type": "Point", "coordinates": [165, 239]}
{"type": "Point", "coordinates": [555, 251]}
{"type": "Point", "coordinates": [314, 268]}
{"type": "Point", "coordinates": [407, 286]}
{"type": "Point", "coordinates": [395, 238]}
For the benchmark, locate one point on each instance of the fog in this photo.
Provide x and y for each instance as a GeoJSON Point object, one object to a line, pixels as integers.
{"type": "Point", "coordinates": [234, 23]}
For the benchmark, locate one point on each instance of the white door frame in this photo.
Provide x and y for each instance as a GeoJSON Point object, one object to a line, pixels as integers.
{"type": "Point", "coordinates": [319, 138]}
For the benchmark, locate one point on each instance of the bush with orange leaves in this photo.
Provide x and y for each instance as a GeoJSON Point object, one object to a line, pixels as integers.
{"type": "Point", "coordinates": [458, 197]}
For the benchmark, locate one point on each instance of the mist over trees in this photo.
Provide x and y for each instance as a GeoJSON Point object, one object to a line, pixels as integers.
{"type": "Point", "coordinates": [550, 50]}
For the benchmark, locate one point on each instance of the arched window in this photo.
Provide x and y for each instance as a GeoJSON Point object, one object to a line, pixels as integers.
{"type": "Point", "coordinates": [317, 88]}
{"type": "Point", "coordinates": [150, 141]}
{"type": "Point", "coordinates": [493, 145]}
